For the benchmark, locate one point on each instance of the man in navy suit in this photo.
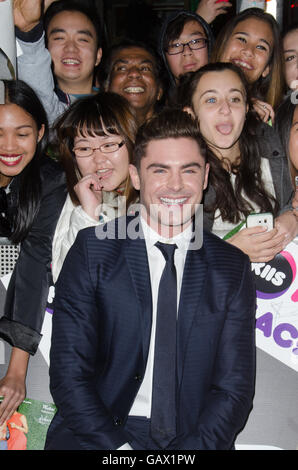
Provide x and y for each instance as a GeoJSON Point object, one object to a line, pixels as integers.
{"type": "Point", "coordinates": [153, 328]}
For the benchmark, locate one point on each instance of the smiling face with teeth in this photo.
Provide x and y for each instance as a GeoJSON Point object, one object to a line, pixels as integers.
{"type": "Point", "coordinates": [250, 48]}
{"type": "Point", "coordinates": [134, 76]}
{"type": "Point", "coordinates": [18, 140]}
{"type": "Point", "coordinates": [171, 180]}
{"type": "Point", "coordinates": [72, 43]}
{"type": "Point", "coordinates": [219, 102]}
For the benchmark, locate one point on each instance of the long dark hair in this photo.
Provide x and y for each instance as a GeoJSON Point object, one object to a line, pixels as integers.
{"type": "Point", "coordinates": [94, 115]}
{"type": "Point", "coordinates": [282, 123]}
{"type": "Point", "coordinates": [270, 88]}
{"type": "Point", "coordinates": [228, 200]}
{"type": "Point", "coordinates": [26, 187]}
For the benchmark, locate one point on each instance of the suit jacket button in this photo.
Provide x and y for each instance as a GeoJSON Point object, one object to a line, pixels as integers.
{"type": "Point", "coordinates": [117, 421]}
{"type": "Point", "coordinates": [138, 378]}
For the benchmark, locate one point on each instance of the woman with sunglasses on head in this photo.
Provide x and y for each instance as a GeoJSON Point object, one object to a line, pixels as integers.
{"type": "Point", "coordinates": [33, 192]}
{"type": "Point", "coordinates": [251, 40]}
{"type": "Point", "coordinates": [94, 139]}
{"type": "Point", "coordinates": [248, 171]}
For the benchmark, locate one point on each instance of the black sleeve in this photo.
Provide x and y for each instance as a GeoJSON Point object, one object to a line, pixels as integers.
{"type": "Point", "coordinates": [30, 36]}
{"type": "Point", "coordinates": [28, 288]}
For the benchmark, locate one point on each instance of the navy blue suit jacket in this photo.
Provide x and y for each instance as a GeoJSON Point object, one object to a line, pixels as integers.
{"type": "Point", "coordinates": [101, 335]}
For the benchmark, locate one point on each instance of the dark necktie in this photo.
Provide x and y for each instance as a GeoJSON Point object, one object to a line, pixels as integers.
{"type": "Point", "coordinates": [163, 411]}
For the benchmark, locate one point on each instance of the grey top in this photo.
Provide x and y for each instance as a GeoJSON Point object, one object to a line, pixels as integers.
{"type": "Point", "coordinates": [35, 68]}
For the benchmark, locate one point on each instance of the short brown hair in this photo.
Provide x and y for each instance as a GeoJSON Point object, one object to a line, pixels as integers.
{"type": "Point", "coordinates": [170, 123]}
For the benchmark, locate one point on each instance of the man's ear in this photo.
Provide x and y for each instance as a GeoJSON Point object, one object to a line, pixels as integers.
{"type": "Point", "coordinates": [134, 176]}
{"type": "Point", "coordinates": [207, 168]}
{"type": "Point", "coordinates": [190, 111]}
{"type": "Point", "coordinates": [98, 56]}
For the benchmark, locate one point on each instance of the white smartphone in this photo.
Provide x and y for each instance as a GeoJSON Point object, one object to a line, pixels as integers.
{"type": "Point", "coordinates": [265, 219]}
{"type": "Point", "coordinates": [296, 182]}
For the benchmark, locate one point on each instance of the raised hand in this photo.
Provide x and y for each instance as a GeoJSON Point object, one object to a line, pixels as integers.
{"type": "Point", "coordinates": [210, 9]}
{"type": "Point", "coordinates": [264, 110]}
{"type": "Point", "coordinates": [27, 13]}
{"type": "Point", "coordinates": [89, 193]}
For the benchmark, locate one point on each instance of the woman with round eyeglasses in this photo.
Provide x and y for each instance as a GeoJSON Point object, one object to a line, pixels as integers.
{"type": "Point", "coordinates": [185, 45]}
{"type": "Point", "coordinates": [95, 140]}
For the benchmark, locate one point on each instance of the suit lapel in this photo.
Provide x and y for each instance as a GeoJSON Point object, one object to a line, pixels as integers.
{"type": "Point", "coordinates": [192, 291]}
{"type": "Point", "coordinates": [137, 261]}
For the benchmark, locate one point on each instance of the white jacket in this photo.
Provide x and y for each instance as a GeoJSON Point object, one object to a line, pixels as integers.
{"type": "Point", "coordinates": [74, 218]}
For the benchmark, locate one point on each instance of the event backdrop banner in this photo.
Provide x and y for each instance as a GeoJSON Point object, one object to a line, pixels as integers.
{"type": "Point", "coordinates": [277, 306]}
{"type": "Point", "coordinates": [273, 422]}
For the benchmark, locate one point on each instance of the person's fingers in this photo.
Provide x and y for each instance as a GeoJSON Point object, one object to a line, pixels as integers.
{"type": "Point", "coordinates": [12, 399]}
{"type": "Point", "coordinates": [274, 242]}
{"type": "Point", "coordinates": [253, 230]}
{"type": "Point", "coordinates": [264, 110]}
{"type": "Point", "coordinates": [266, 251]}
{"type": "Point", "coordinates": [89, 181]}
{"type": "Point", "coordinates": [223, 7]}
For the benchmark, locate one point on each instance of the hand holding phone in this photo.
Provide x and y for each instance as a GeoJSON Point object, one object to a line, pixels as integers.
{"type": "Point", "coordinates": [264, 219]}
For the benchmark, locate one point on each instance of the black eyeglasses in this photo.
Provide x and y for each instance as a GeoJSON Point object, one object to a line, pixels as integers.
{"type": "Point", "coordinates": [194, 45]}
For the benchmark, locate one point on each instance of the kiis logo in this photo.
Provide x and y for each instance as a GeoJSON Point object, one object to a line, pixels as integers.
{"type": "Point", "coordinates": [273, 279]}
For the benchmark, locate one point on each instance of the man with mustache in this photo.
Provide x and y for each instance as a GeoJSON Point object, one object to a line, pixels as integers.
{"type": "Point", "coordinates": [133, 70]}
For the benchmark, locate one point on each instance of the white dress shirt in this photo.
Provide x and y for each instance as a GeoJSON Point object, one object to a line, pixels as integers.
{"type": "Point", "coordinates": [143, 400]}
